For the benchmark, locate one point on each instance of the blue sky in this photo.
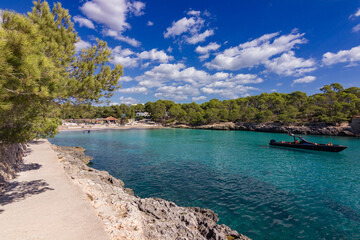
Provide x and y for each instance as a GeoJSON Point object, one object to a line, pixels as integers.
{"type": "Point", "coordinates": [198, 50]}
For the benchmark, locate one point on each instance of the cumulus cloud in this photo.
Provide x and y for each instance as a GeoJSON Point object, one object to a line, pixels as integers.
{"type": "Point", "coordinates": [125, 79]}
{"type": "Point", "coordinates": [176, 93]}
{"type": "Point", "coordinates": [356, 14]}
{"type": "Point", "coordinates": [178, 82]}
{"type": "Point", "coordinates": [256, 52]}
{"type": "Point", "coordinates": [204, 51]}
{"type": "Point", "coordinates": [150, 23]}
{"type": "Point", "coordinates": [287, 64]}
{"type": "Point", "coordinates": [128, 58]}
{"type": "Point", "coordinates": [356, 28]}
{"type": "Point", "coordinates": [196, 38]}
{"type": "Point", "coordinates": [307, 79]}
{"type": "Point", "coordinates": [184, 25]}
{"type": "Point", "coordinates": [82, 45]}
{"type": "Point", "coordinates": [189, 28]}
{"type": "Point", "coordinates": [344, 56]}
{"type": "Point", "coordinates": [128, 100]}
{"type": "Point", "coordinates": [213, 46]}
{"type": "Point", "coordinates": [133, 90]}
{"type": "Point", "coordinates": [231, 93]}
{"type": "Point", "coordinates": [84, 22]}
{"type": "Point", "coordinates": [194, 13]}
{"type": "Point", "coordinates": [118, 36]}
{"type": "Point", "coordinates": [155, 55]}
{"type": "Point", "coordinates": [113, 15]}
{"type": "Point", "coordinates": [199, 98]}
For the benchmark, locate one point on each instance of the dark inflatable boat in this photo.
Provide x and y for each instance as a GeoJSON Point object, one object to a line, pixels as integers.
{"type": "Point", "coordinates": [304, 144]}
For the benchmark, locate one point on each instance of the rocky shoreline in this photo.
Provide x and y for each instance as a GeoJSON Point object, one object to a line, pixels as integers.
{"type": "Point", "coordinates": [313, 129]}
{"type": "Point", "coordinates": [126, 216]}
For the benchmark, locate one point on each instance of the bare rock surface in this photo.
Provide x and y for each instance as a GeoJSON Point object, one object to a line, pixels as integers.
{"type": "Point", "coordinates": [129, 217]}
{"type": "Point", "coordinates": [76, 152]}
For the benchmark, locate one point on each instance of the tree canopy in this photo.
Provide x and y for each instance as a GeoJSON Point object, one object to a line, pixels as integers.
{"type": "Point", "coordinates": [334, 105]}
{"type": "Point", "coordinates": [40, 71]}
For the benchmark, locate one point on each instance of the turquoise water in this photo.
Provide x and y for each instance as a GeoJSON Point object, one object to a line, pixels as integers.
{"type": "Point", "coordinates": [263, 192]}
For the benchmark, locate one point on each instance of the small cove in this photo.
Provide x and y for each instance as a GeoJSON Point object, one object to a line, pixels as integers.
{"type": "Point", "coordinates": [260, 191]}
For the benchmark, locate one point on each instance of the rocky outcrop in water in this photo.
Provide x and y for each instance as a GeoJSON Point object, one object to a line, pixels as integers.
{"type": "Point", "coordinates": [129, 217]}
{"type": "Point", "coordinates": [315, 129]}
{"type": "Point", "coordinates": [76, 152]}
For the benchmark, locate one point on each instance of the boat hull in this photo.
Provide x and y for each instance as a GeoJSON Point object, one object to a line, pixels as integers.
{"type": "Point", "coordinates": [319, 147]}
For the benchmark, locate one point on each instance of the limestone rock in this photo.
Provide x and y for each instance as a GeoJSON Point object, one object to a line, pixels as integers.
{"type": "Point", "coordinates": [126, 216]}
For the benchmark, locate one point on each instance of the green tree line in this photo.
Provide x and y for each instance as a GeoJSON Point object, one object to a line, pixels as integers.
{"type": "Point", "coordinates": [333, 105]}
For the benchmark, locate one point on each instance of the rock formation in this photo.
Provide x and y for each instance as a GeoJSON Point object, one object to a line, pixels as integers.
{"type": "Point", "coordinates": [129, 217]}
{"type": "Point", "coordinates": [315, 128]}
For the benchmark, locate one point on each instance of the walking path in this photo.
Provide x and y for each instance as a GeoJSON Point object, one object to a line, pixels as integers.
{"type": "Point", "coordinates": [43, 203]}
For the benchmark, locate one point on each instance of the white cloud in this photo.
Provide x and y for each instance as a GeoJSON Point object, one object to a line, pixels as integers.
{"type": "Point", "coordinates": [128, 100]}
{"type": "Point", "coordinates": [198, 98]}
{"type": "Point", "coordinates": [213, 46]}
{"type": "Point", "coordinates": [126, 79]}
{"type": "Point", "coordinates": [136, 7]}
{"type": "Point", "coordinates": [128, 58]}
{"type": "Point", "coordinates": [150, 23]}
{"type": "Point", "coordinates": [356, 28]}
{"type": "Point", "coordinates": [204, 57]}
{"type": "Point", "coordinates": [189, 28]}
{"type": "Point", "coordinates": [184, 25]}
{"type": "Point", "coordinates": [82, 45]}
{"type": "Point", "coordinates": [131, 41]}
{"type": "Point", "coordinates": [231, 93]}
{"type": "Point", "coordinates": [113, 15]}
{"type": "Point", "coordinates": [357, 14]}
{"type": "Point", "coordinates": [204, 51]}
{"type": "Point", "coordinates": [344, 56]}
{"type": "Point", "coordinates": [155, 55]}
{"type": "Point", "coordinates": [125, 61]}
{"type": "Point", "coordinates": [194, 13]}
{"type": "Point", "coordinates": [84, 22]}
{"type": "Point", "coordinates": [256, 52]}
{"type": "Point", "coordinates": [133, 90]}
{"type": "Point", "coordinates": [169, 49]}
{"type": "Point", "coordinates": [176, 80]}
{"type": "Point", "coordinates": [176, 93]}
{"type": "Point", "coordinates": [287, 64]}
{"type": "Point", "coordinates": [307, 79]}
{"type": "Point", "coordinates": [200, 37]}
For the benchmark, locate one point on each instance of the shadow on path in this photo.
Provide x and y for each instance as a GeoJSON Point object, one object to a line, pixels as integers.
{"type": "Point", "coordinates": [17, 191]}
{"type": "Point", "coordinates": [28, 167]}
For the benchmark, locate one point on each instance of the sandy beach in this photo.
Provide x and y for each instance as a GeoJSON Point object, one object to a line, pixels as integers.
{"type": "Point", "coordinates": [94, 127]}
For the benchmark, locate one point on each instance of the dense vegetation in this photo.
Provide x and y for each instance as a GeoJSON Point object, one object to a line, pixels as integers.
{"type": "Point", "coordinates": [334, 105]}
{"type": "Point", "coordinates": [40, 71]}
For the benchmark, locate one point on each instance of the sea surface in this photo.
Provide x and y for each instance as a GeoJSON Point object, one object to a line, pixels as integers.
{"type": "Point", "coordinates": [261, 191]}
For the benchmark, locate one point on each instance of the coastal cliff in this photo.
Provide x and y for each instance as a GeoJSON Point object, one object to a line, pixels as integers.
{"type": "Point", "coordinates": [314, 129]}
{"type": "Point", "coordinates": [130, 217]}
